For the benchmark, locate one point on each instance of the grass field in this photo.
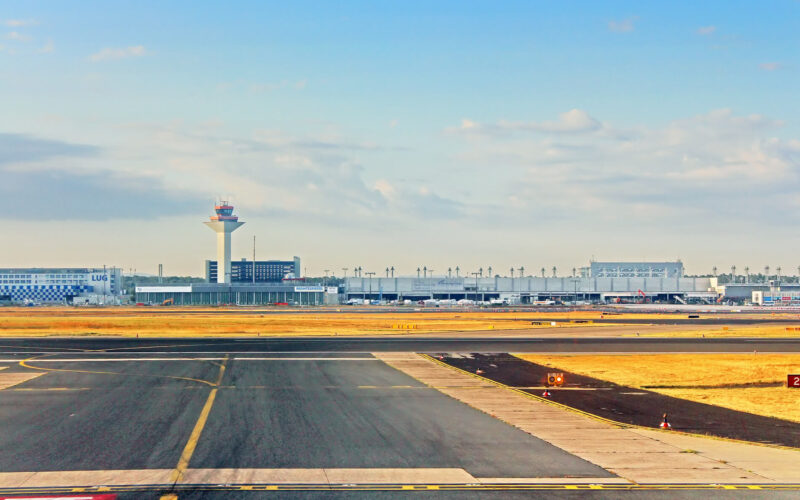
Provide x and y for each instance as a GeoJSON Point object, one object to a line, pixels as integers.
{"type": "Point", "coordinates": [239, 321]}
{"type": "Point", "coordinates": [755, 383]}
{"type": "Point", "coordinates": [208, 322]}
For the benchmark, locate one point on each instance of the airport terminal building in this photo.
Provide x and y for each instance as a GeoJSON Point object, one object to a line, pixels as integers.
{"type": "Point", "coordinates": [61, 285]}
{"type": "Point", "coordinates": [240, 294]}
{"type": "Point", "coordinates": [266, 271]}
{"type": "Point", "coordinates": [530, 290]}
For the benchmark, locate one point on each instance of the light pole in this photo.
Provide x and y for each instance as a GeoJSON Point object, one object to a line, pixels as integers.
{"type": "Point", "coordinates": [325, 279]}
{"type": "Point", "coordinates": [344, 270]}
{"type": "Point", "coordinates": [387, 272]}
{"type": "Point", "coordinates": [417, 273]}
{"type": "Point", "coordinates": [491, 275]}
{"type": "Point", "coordinates": [733, 274]}
{"type": "Point", "coordinates": [554, 271]}
{"type": "Point", "coordinates": [392, 270]}
{"type": "Point", "coordinates": [370, 274]}
{"type": "Point", "coordinates": [480, 270]}
{"type": "Point", "coordinates": [746, 274]}
{"type": "Point", "coordinates": [449, 272]}
{"type": "Point", "coordinates": [766, 274]}
{"type": "Point", "coordinates": [542, 272]}
{"type": "Point", "coordinates": [714, 271]}
{"type": "Point", "coordinates": [425, 271]}
{"type": "Point", "coordinates": [476, 286]}
{"type": "Point", "coordinates": [457, 269]}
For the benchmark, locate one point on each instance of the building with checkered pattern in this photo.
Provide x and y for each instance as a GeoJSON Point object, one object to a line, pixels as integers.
{"type": "Point", "coordinates": [60, 285]}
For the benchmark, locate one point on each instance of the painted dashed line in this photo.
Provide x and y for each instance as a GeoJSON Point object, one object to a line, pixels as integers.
{"type": "Point", "coordinates": [402, 487]}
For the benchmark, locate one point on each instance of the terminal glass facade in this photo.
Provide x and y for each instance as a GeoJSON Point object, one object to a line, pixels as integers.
{"type": "Point", "coordinates": [267, 271]}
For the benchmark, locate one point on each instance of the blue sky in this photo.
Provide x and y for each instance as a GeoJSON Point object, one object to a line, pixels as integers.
{"type": "Point", "coordinates": [402, 133]}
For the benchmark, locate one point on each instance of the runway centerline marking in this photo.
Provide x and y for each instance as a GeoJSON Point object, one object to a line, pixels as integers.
{"type": "Point", "coordinates": [194, 437]}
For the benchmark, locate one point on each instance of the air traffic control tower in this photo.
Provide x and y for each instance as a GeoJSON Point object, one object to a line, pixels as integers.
{"type": "Point", "coordinates": [224, 223]}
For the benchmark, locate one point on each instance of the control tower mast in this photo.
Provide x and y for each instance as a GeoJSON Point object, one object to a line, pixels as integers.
{"type": "Point", "coordinates": [224, 223]}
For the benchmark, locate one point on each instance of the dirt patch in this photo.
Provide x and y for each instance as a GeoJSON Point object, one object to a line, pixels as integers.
{"type": "Point", "coordinates": [631, 405]}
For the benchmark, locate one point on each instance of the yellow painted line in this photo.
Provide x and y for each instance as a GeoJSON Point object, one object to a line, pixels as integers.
{"type": "Point", "coordinates": [169, 496]}
{"type": "Point", "coordinates": [37, 389]}
{"type": "Point", "coordinates": [25, 364]}
{"type": "Point", "coordinates": [188, 450]}
{"type": "Point", "coordinates": [406, 487]}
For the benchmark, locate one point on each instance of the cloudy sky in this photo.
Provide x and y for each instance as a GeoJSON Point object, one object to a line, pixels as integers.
{"type": "Point", "coordinates": [401, 133]}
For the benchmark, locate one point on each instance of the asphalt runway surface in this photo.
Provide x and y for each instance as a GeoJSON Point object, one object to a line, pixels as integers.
{"type": "Point", "coordinates": [23, 347]}
{"type": "Point", "coordinates": [332, 411]}
{"type": "Point", "coordinates": [136, 404]}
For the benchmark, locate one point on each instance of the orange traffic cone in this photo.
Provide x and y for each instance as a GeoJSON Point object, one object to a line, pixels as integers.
{"type": "Point", "coordinates": [478, 371]}
{"type": "Point", "coordinates": [665, 423]}
{"type": "Point", "coordinates": [546, 394]}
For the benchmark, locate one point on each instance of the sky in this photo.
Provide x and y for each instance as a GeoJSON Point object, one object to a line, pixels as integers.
{"type": "Point", "coordinates": [401, 134]}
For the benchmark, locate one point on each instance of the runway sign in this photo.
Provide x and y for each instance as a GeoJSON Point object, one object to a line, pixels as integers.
{"type": "Point", "coordinates": [793, 381]}
{"type": "Point", "coordinates": [555, 379]}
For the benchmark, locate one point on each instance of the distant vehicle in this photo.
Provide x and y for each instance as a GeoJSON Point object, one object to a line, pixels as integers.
{"type": "Point", "coordinates": [498, 302]}
{"type": "Point", "coordinates": [544, 302]}
{"type": "Point", "coordinates": [466, 302]}
{"type": "Point", "coordinates": [354, 302]}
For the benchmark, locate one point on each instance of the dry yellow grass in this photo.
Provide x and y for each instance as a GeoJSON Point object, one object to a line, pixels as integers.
{"type": "Point", "coordinates": [780, 330]}
{"type": "Point", "coordinates": [706, 378]}
{"type": "Point", "coordinates": [175, 322]}
{"type": "Point", "coordinates": [197, 321]}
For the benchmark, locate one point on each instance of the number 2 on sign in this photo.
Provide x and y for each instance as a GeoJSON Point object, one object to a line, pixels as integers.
{"type": "Point", "coordinates": [794, 380]}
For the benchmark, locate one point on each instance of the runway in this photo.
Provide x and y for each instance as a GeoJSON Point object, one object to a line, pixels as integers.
{"type": "Point", "coordinates": [16, 348]}
{"type": "Point", "coordinates": [188, 416]}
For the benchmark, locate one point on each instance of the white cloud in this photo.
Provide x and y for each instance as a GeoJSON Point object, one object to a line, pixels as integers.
{"type": "Point", "coordinates": [17, 36]}
{"type": "Point", "coordinates": [109, 53]}
{"type": "Point", "coordinates": [770, 66]}
{"type": "Point", "coordinates": [708, 167]}
{"type": "Point", "coordinates": [572, 121]}
{"type": "Point", "coordinates": [623, 26]}
{"type": "Point", "coordinates": [47, 47]}
{"type": "Point", "coordinates": [706, 30]}
{"type": "Point", "coordinates": [17, 23]}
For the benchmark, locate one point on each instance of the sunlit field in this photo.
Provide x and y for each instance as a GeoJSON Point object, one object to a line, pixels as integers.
{"type": "Point", "coordinates": [755, 383]}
